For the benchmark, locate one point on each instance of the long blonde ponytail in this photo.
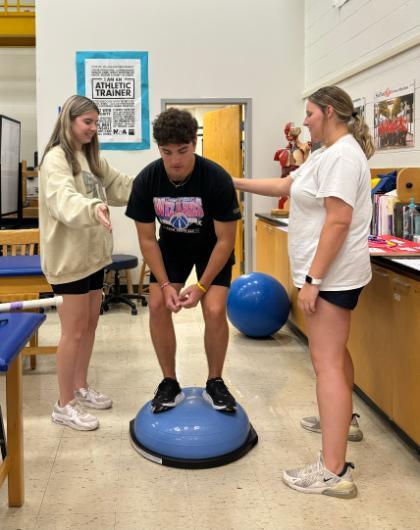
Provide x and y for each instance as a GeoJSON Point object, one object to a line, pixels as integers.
{"type": "Point", "coordinates": [342, 104]}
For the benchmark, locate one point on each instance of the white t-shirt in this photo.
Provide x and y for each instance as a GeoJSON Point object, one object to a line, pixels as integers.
{"type": "Point", "coordinates": [338, 171]}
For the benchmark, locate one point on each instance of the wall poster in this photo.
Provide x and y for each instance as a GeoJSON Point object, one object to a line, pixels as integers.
{"type": "Point", "coordinates": [359, 105]}
{"type": "Point", "coordinates": [118, 83]}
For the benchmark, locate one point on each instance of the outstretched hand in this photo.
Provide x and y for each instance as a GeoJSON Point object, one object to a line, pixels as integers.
{"type": "Point", "coordinates": [102, 213]}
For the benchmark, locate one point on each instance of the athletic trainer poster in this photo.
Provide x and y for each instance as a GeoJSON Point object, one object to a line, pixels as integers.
{"type": "Point", "coordinates": [118, 83]}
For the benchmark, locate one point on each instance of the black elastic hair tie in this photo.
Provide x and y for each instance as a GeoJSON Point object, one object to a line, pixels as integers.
{"type": "Point", "coordinates": [354, 114]}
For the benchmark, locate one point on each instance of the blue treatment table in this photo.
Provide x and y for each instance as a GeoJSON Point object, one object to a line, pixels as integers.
{"type": "Point", "coordinates": [22, 274]}
{"type": "Point", "coordinates": [21, 278]}
{"type": "Point", "coordinates": [16, 329]}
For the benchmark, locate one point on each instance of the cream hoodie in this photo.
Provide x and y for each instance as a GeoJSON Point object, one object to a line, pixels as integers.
{"type": "Point", "coordinates": [73, 242]}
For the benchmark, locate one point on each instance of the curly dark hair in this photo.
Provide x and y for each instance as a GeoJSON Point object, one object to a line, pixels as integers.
{"type": "Point", "coordinates": [174, 126]}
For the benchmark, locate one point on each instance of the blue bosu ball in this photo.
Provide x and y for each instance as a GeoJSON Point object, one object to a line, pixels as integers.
{"type": "Point", "coordinates": [192, 434]}
{"type": "Point", "coordinates": [258, 305]}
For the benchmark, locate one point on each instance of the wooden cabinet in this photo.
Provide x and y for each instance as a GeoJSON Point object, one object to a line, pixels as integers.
{"type": "Point", "coordinates": [385, 347]}
{"type": "Point", "coordinates": [369, 342]}
{"type": "Point", "coordinates": [385, 334]}
{"type": "Point", "coordinates": [265, 248]}
{"type": "Point", "coordinates": [281, 258]}
{"type": "Point", "coordinates": [405, 339]}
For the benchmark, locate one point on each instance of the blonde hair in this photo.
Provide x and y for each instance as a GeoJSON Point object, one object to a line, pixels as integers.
{"type": "Point", "coordinates": [342, 104]}
{"type": "Point", "coordinates": [62, 135]}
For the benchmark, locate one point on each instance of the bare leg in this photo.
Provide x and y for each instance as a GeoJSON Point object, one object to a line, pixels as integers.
{"type": "Point", "coordinates": [86, 346]}
{"type": "Point", "coordinates": [349, 369]}
{"type": "Point", "coordinates": [162, 330]}
{"type": "Point", "coordinates": [216, 334]}
{"type": "Point", "coordinates": [328, 330]}
{"type": "Point", "coordinates": [74, 325]}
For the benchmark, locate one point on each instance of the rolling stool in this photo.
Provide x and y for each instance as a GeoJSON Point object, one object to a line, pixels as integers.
{"type": "Point", "coordinates": [115, 296]}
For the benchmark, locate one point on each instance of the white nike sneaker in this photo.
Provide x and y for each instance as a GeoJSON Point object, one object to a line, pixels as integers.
{"type": "Point", "coordinates": [91, 398]}
{"type": "Point", "coordinates": [74, 416]}
{"type": "Point", "coordinates": [316, 478]}
{"type": "Point", "coordinates": [313, 424]}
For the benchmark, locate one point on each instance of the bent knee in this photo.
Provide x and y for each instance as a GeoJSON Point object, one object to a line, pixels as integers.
{"type": "Point", "coordinates": [214, 313]}
{"type": "Point", "coordinates": [157, 306]}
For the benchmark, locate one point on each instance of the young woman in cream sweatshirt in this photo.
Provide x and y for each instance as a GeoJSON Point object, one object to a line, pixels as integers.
{"type": "Point", "coordinates": [76, 186]}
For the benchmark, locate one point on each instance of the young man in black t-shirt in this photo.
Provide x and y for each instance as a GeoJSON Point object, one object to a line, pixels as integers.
{"type": "Point", "coordinates": [195, 203]}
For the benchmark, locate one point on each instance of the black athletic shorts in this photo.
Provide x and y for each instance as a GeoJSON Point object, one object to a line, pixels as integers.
{"type": "Point", "coordinates": [90, 283]}
{"type": "Point", "coordinates": [346, 299]}
{"type": "Point", "coordinates": [178, 268]}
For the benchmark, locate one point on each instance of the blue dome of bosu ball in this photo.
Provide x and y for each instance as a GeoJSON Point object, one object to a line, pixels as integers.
{"type": "Point", "coordinates": [192, 434]}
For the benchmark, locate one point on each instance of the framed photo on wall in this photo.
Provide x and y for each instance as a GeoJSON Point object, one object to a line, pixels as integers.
{"type": "Point", "coordinates": [359, 105]}
{"type": "Point", "coordinates": [394, 117]}
{"type": "Point", "coordinates": [118, 83]}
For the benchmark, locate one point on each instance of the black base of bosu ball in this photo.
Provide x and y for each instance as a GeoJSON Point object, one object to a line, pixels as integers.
{"type": "Point", "coordinates": [192, 434]}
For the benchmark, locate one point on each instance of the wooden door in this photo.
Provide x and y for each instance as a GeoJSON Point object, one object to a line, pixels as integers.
{"type": "Point", "coordinates": [222, 143]}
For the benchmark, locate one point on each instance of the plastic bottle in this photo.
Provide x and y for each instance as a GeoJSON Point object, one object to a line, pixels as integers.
{"type": "Point", "coordinates": [416, 226]}
{"type": "Point", "coordinates": [409, 214]}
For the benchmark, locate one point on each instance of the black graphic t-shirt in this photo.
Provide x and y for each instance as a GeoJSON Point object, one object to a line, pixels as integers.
{"type": "Point", "coordinates": [185, 212]}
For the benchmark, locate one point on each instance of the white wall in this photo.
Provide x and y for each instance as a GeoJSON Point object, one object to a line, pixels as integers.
{"type": "Point", "coordinates": [338, 39]}
{"type": "Point", "coordinates": [17, 94]}
{"type": "Point", "coordinates": [392, 73]}
{"type": "Point", "coordinates": [217, 48]}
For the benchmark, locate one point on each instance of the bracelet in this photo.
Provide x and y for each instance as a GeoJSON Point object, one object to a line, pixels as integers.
{"type": "Point", "coordinates": [201, 287]}
{"type": "Point", "coordinates": [164, 284]}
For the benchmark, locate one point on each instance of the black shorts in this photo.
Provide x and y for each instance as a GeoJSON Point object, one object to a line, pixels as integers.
{"type": "Point", "coordinates": [179, 268]}
{"type": "Point", "coordinates": [90, 283]}
{"type": "Point", "coordinates": [346, 299]}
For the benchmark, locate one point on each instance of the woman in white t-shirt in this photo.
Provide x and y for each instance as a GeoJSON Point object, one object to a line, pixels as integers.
{"type": "Point", "coordinates": [329, 224]}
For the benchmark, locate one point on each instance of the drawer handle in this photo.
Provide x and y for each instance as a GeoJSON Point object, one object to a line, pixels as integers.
{"type": "Point", "coordinates": [380, 273]}
{"type": "Point", "coordinates": [401, 283]}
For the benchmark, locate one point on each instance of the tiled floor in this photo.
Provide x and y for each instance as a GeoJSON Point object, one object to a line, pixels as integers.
{"type": "Point", "coordinates": [96, 481]}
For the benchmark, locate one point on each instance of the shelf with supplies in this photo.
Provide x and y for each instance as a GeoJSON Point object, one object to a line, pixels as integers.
{"type": "Point", "coordinates": [385, 335]}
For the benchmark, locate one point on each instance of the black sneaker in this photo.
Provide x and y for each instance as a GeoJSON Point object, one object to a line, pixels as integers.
{"type": "Point", "coordinates": [218, 395]}
{"type": "Point", "coordinates": [168, 394]}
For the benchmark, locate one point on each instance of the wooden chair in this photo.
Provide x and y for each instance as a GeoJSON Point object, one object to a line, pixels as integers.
{"type": "Point", "coordinates": [19, 242]}
{"type": "Point", "coordinates": [143, 289]}
{"type": "Point", "coordinates": [24, 242]}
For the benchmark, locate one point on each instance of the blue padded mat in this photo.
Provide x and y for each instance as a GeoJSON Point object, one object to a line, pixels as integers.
{"type": "Point", "coordinates": [15, 331]}
{"type": "Point", "coordinates": [20, 266]}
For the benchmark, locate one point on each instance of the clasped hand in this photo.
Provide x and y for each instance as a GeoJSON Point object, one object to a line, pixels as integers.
{"type": "Point", "coordinates": [187, 298]}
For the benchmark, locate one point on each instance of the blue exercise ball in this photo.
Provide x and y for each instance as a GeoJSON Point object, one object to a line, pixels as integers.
{"type": "Point", "coordinates": [258, 305]}
{"type": "Point", "coordinates": [192, 433]}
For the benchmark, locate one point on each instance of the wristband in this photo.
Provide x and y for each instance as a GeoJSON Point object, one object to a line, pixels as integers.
{"type": "Point", "coordinates": [201, 287]}
{"type": "Point", "coordinates": [312, 281]}
{"type": "Point", "coordinates": [164, 284]}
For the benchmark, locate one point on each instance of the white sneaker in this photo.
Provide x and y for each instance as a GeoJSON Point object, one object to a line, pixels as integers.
{"type": "Point", "coordinates": [91, 398]}
{"type": "Point", "coordinates": [74, 416]}
{"type": "Point", "coordinates": [313, 424]}
{"type": "Point", "coordinates": [316, 478]}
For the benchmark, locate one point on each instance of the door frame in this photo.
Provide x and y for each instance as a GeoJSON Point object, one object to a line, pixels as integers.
{"type": "Point", "coordinates": [247, 148]}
